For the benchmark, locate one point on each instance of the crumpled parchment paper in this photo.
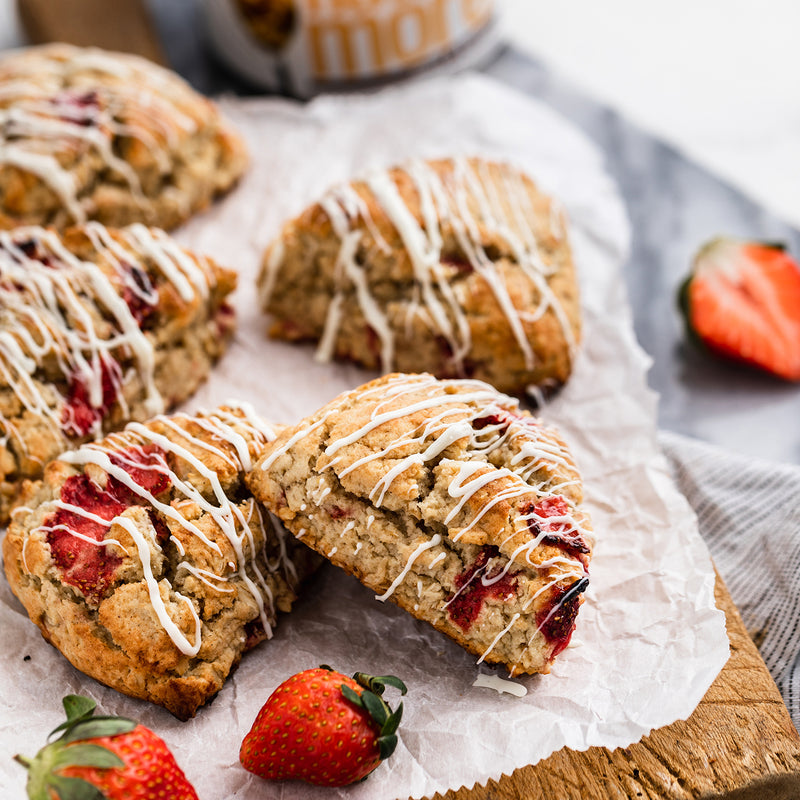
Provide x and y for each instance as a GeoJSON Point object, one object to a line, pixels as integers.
{"type": "Point", "coordinates": [649, 640]}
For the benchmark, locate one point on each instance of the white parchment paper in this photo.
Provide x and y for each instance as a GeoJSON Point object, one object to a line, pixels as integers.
{"type": "Point", "coordinates": [649, 640]}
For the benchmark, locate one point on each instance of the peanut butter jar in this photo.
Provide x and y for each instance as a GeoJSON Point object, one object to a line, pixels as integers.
{"type": "Point", "coordinates": [302, 47]}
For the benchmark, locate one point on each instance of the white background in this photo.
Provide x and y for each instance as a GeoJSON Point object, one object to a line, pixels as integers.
{"type": "Point", "coordinates": [718, 78]}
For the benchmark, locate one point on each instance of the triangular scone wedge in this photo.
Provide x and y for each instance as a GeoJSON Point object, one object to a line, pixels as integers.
{"type": "Point", "coordinates": [446, 498]}
{"type": "Point", "coordinates": [460, 267]}
{"type": "Point", "coordinates": [145, 560]}
{"type": "Point", "coordinates": [98, 327]}
{"type": "Point", "coordinates": [91, 134]}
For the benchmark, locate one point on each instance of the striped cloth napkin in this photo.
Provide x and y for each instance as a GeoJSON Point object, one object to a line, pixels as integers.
{"type": "Point", "coordinates": [749, 516]}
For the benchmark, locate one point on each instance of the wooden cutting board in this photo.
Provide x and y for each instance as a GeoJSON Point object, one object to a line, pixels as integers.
{"type": "Point", "coordinates": [739, 744]}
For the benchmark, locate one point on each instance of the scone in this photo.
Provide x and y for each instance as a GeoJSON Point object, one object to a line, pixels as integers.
{"type": "Point", "coordinates": [446, 498]}
{"type": "Point", "coordinates": [89, 134]}
{"type": "Point", "coordinates": [144, 559]}
{"type": "Point", "coordinates": [458, 267]}
{"type": "Point", "coordinates": [98, 327]}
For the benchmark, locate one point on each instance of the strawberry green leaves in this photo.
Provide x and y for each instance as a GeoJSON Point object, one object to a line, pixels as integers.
{"type": "Point", "coordinates": [103, 758]}
{"type": "Point", "coordinates": [370, 700]}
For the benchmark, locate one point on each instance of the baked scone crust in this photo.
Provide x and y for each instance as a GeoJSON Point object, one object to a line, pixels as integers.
{"type": "Point", "coordinates": [460, 267]}
{"type": "Point", "coordinates": [446, 498]}
{"type": "Point", "coordinates": [144, 559]}
{"type": "Point", "coordinates": [89, 134]}
{"type": "Point", "coordinates": [98, 327]}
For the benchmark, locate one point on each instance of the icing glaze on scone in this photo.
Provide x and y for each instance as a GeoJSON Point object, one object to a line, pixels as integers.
{"type": "Point", "coordinates": [149, 542]}
{"type": "Point", "coordinates": [98, 327]}
{"type": "Point", "coordinates": [88, 134]}
{"type": "Point", "coordinates": [447, 265]}
{"type": "Point", "coordinates": [448, 499]}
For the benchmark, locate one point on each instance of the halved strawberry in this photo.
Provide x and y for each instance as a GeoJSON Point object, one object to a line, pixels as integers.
{"type": "Point", "coordinates": [742, 301]}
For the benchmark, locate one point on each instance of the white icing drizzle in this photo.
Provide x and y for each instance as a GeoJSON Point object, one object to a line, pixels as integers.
{"type": "Point", "coordinates": [500, 685]}
{"type": "Point", "coordinates": [208, 578]}
{"type": "Point", "coordinates": [46, 167]}
{"type": "Point", "coordinates": [235, 523]}
{"type": "Point", "coordinates": [55, 306]}
{"type": "Point", "coordinates": [437, 559]}
{"type": "Point", "coordinates": [474, 202]}
{"type": "Point", "coordinates": [434, 541]}
{"type": "Point", "coordinates": [51, 116]}
{"type": "Point", "coordinates": [532, 477]}
{"type": "Point", "coordinates": [499, 636]}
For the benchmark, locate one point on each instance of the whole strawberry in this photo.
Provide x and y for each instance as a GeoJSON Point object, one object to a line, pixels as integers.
{"type": "Point", "coordinates": [322, 727]}
{"type": "Point", "coordinates": [103, 757]}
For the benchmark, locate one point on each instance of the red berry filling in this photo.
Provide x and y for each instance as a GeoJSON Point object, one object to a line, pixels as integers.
{"type": "Point", "coordinates": [79, 416]}
{"type": "Point", "coordinates": [90, 567]}
{"type": "Point", "coordinates": [225, 319]}
{"type": "Point", "coordinates": [79, 108]}
{"type": "Point", "coordinates": [457, 260]}
{"type": "Point", "coordinates": [32, 249]}
{"type": "Point", "coordinates": [139, 294]}
{"type": "Point", "coordinates": [501, 418]}
{"type": "Point", "coordinates": [254, 634]}
{"type": "Point", "coordinates": [474, 588]}
{"type": "Point", "coordinates": [147, 467]}
{"type": "Point", "coordinates": [556, 620]}
{"type": "Point", "coordinates": [373, 342]}
{"type": "Point", "coordinates": [562, 533]}
{"type": "Point", "coordinates": [338, 512]}
{"type": "Point", "coordinates": [490, 419]}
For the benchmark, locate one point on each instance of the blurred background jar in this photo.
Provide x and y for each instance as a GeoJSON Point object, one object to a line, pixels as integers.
{"type": "Point", "coordinates": [301, 47]}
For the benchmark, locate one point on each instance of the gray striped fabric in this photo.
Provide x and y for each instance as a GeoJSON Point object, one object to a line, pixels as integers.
{"type": "Point", "coordinates": [749, 515]}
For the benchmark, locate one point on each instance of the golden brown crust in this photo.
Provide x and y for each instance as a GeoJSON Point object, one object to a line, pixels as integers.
{"type": "Point", "coordinates": [492, 251]}
{"type": "Point", "coordinates": [213, 562]}
{"type": "Point", "coordinates": [422, 489]}
{"type": "Point", "coordinates": [89, 134]}
{"type": "Point", "coordinates": [148, 355]}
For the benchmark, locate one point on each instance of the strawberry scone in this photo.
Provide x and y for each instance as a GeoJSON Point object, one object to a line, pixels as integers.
{"type": "Point", "coordinates": [98, 327]}
{"type": "Point", "coordinates": [459, 267]}
{"type": "Point", "coordinates": [89, 134]}
{"type": "Point", "coordinates": [446, 498]}
{"type": "Point", "coordinates": [144, 559]}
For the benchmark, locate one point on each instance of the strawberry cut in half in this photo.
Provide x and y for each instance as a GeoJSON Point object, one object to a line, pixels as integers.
{"type": "Point", "coordinates": [742, 301]}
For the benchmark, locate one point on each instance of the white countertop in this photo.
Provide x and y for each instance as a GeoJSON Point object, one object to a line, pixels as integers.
{"type": "Point", "coordinates": [719, 79]}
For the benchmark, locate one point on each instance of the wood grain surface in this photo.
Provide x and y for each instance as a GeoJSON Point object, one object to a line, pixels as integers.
{"type": "Point", "coordinates": [739, 744]}
{"type": "Point", "coordinates": [122, 25]}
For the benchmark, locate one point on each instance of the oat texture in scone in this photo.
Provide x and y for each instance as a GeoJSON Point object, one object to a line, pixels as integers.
{"type": "Point", "coordinates": [89, 134]}
{"type": "Point", "coordinates": [459, 267]}
{"type": "Point", "coordinates": [98, 327]}
{"type": "Point", "coordinates": [446, 498]}
{"type": "Point", "coordinates": [144, 559]}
